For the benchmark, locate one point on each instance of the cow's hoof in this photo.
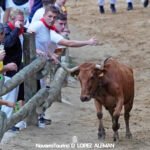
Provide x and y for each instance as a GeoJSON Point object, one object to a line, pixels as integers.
{"type": "Point", "coordinates": [116, 137]}
{"type": "Point", "coordinates": [128, 135]}
{"type": "Point", "coordinates": [101, 134]}
{"type": "Point", "coordinates": [101, 137]}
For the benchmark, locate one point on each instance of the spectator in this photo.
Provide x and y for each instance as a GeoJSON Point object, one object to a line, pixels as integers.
{"type": "Point", "coordinates": [34, 6]}
{"type": "Point", "coordinates": [44, 27]}
{"type": "Point", "coordinates": [40, 28]}
{"type": "Point", "coordinates": [23, 5]}
{"type": "Point", "coordinates": [13, 30]}
{"type": "Point", "coordinates": [60, 23]}
{"type": "Point", "coordinates": [59, 26]}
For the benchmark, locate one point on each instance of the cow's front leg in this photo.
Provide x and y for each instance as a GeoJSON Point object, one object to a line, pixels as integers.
{"type": "Point", "coordinates": [115, 125]}
{"type": "Point", "coordinates": [115, 117]}
{"type": "Point", "coordinates": [101, 130]}
{"type": "Point", "coordinates": [115, 128]}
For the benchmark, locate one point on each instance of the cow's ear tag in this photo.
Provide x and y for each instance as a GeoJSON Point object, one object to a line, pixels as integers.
{"type": "Point", "coordinates": [101, 75]}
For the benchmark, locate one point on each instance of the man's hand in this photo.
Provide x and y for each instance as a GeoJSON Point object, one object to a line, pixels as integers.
{"type": "Point", "coordinates": [18, 24]}
{"type": "Point", "coordinates": [41, 53]}
{"type": "Point", "coordinates": [10, 104]}
{"type": "Point", "coordinates": [55, 58]}
{"type": "Point", "coordinates": [11, 67]}
{"type": "Point", "coordinates": [93, 41]}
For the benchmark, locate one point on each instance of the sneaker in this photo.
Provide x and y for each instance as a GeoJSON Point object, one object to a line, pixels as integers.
{"type": "Point", "coordinates": [21, 125]}
{"type": "Point", "coordinates": [41, 123]}
{"type": "Point", "coordinates": [15, 128]}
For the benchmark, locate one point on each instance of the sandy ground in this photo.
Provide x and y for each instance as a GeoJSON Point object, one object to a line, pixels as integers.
{"type": "Point", "coordinates": [125, 36]}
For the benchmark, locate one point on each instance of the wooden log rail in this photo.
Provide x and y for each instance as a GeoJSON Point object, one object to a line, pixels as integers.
{"type": "Point", "coordinates": [43, 98]}
{"type": "Point", "coordinates": [26, 72]}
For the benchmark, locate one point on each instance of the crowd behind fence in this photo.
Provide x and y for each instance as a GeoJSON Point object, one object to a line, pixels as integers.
{"type": "Point", "coordinates": [35, 68]}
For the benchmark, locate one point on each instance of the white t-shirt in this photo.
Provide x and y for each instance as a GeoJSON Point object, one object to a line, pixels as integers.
{"type": "Point", "coordinates": [45, 39]}
{"type": "Point", "coordinates": [38, 14]}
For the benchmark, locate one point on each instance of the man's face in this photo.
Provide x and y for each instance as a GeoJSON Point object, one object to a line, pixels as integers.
{"type": "Point", "coordinates": [60, 25]}
{"type": "Point", "coordinates": [50, 17]}
{"type": "Point", "coordinates": [19, 18]}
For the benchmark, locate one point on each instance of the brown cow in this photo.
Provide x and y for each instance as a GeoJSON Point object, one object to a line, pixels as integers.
{"type": "Point", "coordinates": [111, 85]}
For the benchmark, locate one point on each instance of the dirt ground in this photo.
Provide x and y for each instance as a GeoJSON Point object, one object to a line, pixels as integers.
{"type": "Point", "coordinates": [124, 35]}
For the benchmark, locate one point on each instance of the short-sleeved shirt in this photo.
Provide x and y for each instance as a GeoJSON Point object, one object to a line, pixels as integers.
{"type": "Point", "coordinates": [45, 39]}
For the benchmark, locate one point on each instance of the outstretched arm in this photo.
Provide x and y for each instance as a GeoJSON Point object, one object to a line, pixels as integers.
{"type": "Point", "coordinates": [75, 43]}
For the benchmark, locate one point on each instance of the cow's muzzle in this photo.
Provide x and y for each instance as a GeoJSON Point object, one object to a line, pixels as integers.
{"type": "Point", "coordinates": [85, 98]}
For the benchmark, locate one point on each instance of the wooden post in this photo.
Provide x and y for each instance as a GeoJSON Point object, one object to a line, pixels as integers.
{"type": "Point", "coordinates": [30, 84]}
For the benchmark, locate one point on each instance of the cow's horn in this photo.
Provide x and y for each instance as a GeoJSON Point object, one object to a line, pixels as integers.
{"type": "Point", "coordinates": [69, 70]}
{"type": "Point", "coordinates": [97, 66]}
{"type": "Point", "coordinates": [74, 69]}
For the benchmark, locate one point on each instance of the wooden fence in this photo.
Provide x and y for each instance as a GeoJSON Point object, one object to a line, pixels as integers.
{"type": "Point", "coordinates": [36, 102]}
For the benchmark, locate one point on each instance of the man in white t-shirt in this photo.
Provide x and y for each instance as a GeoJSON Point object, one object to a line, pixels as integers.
{"type": "Point", "coordinates": [43, 31]}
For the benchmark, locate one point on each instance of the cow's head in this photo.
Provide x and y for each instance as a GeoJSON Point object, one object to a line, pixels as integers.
{"type": "Point", "coordinates": [89, 75]}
